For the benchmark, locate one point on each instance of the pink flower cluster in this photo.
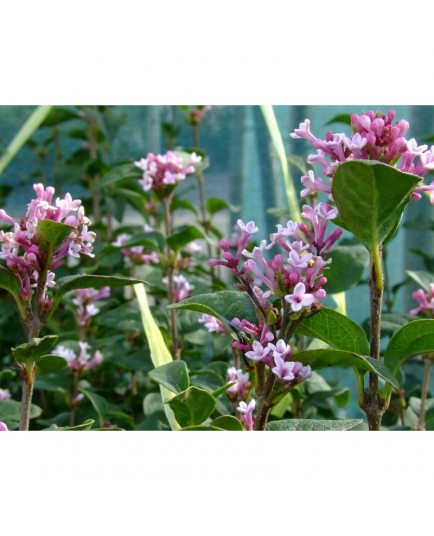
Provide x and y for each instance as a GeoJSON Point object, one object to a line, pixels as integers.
{"type": "Point", "coordinates": [195, 114]}
{"type": "Point", "coordinates": [241, 388]}
{"type": "Point", "coordinates": [162, 171]}
{"type": "Point", "coordinates": [276, 357]}
{"type": "Point", "coordinates": [3, 427]}
{"type": "Point", "coordinates": [425, 301]}
{"type": "Point", "coordinates": [21, 249]}
{"type": "Point", "coordinates": [182, 287]}
{"type": "Point", "coordinates": [137, 254]}
{"type": "Point", "coordinates": [375, 137]}
{"type": "Point", "coordinates": [5, 395]}
{"type": "Point", "coordinates": [85, 299]}
{"type": "Point", "coordinates": [82, 360]}
{"type": "Point", "coordinates": [296, 273]}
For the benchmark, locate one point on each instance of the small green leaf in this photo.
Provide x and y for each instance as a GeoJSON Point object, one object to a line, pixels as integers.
{"type": "Point", "coordinates": [371, 197]}
{"type": "Point", "coordinates": [319, 359]}
{"type": "Point", "coordinates": [58, 115]}
{"type": "Point", "coordinates": [347, 268]}
{"type": "Point", "coordinates": [340, 118]}
{"type": "Point", "coordinates": [74, 282]}
{"type": "Point", "coordinates": [414, 338]}
{"type": "Point", "coordinates": [50, 363]}
{"type": "Point", "coordinates": [192, 407]}
{"type": "Point", "coordinates": [183, 237]}
{"type": "Point", "coordinates": [222, 389]}
{"type": "Point", "coordinates": [424, 279]}
{"type": "Point", "coordinates": [173, 376]}
{"type": "Point", "coordinates": [342, 397]}
{"type": "Point", "coordinates": [51, 235]}
{"type": "Point", "coordinates": [337, 330]}
{"type": "Point", "coordinates": [183, 204]}
{"type": "Point", "coordinates": [118, 173]}
{"type": "Point", "coordinates": [98, 402]}
{"type": "Point", "coordinates": [308, 425]}
{"type": "Point", "coordinates": [35, 349]}
{"type": "Point", "coordinates": [228, 422]}
{"type": "Point", "coordinates": [224, 305]}
{"type": "Point", "coordinates": [10, 283]}
{"type": "Point", "coordinates": [216, 204]}
{"type": "Point", "coordinates": [85, 426]}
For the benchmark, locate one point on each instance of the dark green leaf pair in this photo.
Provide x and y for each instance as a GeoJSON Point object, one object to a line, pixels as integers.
{"type": "Point", "coordinates": [191, 405]}
{"type": "Point", "coordinates": [37, 351]}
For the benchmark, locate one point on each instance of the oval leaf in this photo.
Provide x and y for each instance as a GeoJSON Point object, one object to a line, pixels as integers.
{"type": "Point", "coordinates": [74, 282]}
{"type": "Point", "coordinates": [228, 422]}
{"type": "Point", "coordinates": [346, 270]}
{"type": "Point", "coordinates": [415, 338]}
{"type": "Point", "coordinates": [98, 402]}
{"type": "Point", "coordinates": [51, 235]}
{"type": "Point", "coordinates": [308, 425]}
{"type": "Point", "coordinates": [118, 173]}
{"type": "Point", "coordinates": [192, 407]}
{"type": "Point", "coordinates": [87, 425]}
{"type": "Point", "coordinates": [173, 376]}
{"type": "Point", "coordinates": [318, 359]}
{"type": "Point", "coordinates": [50, 363]}
{"type": "Point", "coordinates": [337, 330]}
{"type": "Point", "coordinates": [183, 237]}
{"type": "Point", "coordinates": [224, 305]}
{"type": "Point", "coordinates": [371, 197]}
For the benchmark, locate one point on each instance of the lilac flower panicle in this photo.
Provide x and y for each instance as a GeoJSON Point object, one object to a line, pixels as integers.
{"type": "Point", "coordinates": [182, 287]}
{"type": "Point", "coordinates": [82, 360]}
{"type": "Point", "coordinates": [162, 171]}
{"type": "Point", "coordinates": [3, 427]}
{"type": "Point", "coordinates": [85, 302]}
{"type": "Point", "coordinates": [375, 137]}
{"type": "Point", "coordinates": [20, 248]}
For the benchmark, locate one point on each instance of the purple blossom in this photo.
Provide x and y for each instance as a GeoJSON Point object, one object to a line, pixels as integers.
{"type": "Point", "coordinates": [3, 427]}
{"type": "Point", "coordinates": [136, 254]}
{"type": "Point", "coordinates": [291, 373]}
{"type": "Point", "coordinates": [212, 324]}
{"type": "Point", "coordinates": [246, 411]}
{"type": "Point", "coordinates": [425, 301]}
{"type": "Point", "coordinates": [299, 298]}
{"type": "Point", "coordinates": [280, 349]}
{"type": "Point", "coordinates": [258, 352]}
{"type": "Point", "coordinates": [241, 388]}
